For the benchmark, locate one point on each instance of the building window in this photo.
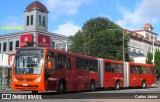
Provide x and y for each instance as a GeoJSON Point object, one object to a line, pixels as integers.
{"type": "Point", "coordinates": [139, 51]}
{"type": "Point", "coordinates": [27, 20]}
{"type": "Point", "coordinates": [17, 44]}
{"type": "Point", "coordinates": [0, 47]}
{"type": "Point", "coordinates": [152, 38]}
{"type": "Point", "coordinates": [134, 50]}
{"type": "Point", "coordinates": [31, 19]}
{"type": "Point", "coordinates": [43, 21]}
{"type": "Point", "coordinates": [40, 20]}
{"type": "Point", "coordinates": [4, 46]}
{"type": "Point", "coordinates": [10, 46]}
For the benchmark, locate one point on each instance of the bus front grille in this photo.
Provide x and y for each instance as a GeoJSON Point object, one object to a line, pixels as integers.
{"type": "Point", "coordinates": [26, 79]}
{"type": "Point", "coordinates": [26, 87]}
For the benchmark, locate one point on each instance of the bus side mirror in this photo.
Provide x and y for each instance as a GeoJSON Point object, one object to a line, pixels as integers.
{"type": "Point", "coordinates": [49, 65]}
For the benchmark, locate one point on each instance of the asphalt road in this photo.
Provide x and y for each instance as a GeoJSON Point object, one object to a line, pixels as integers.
{"type": "Point", "coordinates": [100, 95]}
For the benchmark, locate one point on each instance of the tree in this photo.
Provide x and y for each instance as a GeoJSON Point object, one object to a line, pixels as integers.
{"type": "Point", "coordinates": [95, 39]}
{"type": "Point", "coordinates": [77, 43]}
{"type": "Point", "coordinates": [29, 44]}
{"type": "Point", "coordinates": [149, 58]}
{"type": "Point", "coordinates": [157, 62]}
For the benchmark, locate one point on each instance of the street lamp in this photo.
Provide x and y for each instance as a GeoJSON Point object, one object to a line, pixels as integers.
{"type": "Point", "coordinates": [123, 41]}
{"type": "Point", "coordinates": [153, 52]}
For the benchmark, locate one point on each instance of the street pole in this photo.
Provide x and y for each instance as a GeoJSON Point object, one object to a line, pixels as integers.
{"type": "Point", "coordinates": [66, 45]}
{"type": "Point", "coordinates": [123, 42]}
{"type": "Point", "coordinates": [123, 46]}
{"type": "Point", "coordinates": [3, 82]}
{"type": "Point", "coordinates": [153, 52]}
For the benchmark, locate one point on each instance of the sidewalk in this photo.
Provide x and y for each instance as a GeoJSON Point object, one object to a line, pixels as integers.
{"type": "Point", "coordinates": [6, 90]}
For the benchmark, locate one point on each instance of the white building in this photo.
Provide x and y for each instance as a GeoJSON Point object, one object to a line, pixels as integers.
{"type": "Point", "coordinates": [143, 41]}
{"type": "Point", "coordinates": [35, 30]}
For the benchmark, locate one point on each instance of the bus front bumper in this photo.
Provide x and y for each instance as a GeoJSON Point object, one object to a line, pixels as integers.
{"type": "Point", "coordinates": [29, 86]}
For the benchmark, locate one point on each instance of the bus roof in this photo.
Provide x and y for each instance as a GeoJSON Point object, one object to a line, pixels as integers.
{"type": "Point", "coordinates": [133, 63]}
{"type": "Point", "coordinates": [109, 60]}
{"type": "Point", "coordinates": [60, 51]}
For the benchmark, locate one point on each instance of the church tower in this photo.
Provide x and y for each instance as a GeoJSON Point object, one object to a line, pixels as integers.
{"type": "Point", "coordinates": [36, 17]}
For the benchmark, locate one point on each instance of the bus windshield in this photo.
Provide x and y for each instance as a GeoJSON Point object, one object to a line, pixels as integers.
{"type": "Point", "coordinates": [28, 63]}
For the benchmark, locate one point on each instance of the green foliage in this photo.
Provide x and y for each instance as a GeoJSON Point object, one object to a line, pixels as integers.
{"type": "Point", "coordinates": [149, 58]}
{"type": "Point", "coordinates": [97, 39]}
{"type": "Point", "coordinates": [29, 44]}
{"type": "Point", "coordinates": [157, 61]}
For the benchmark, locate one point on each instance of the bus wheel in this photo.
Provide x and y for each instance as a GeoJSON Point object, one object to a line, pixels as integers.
{"type": "Point", "coordinates": [117, 85]}
{"type": "Point", "coordinates": [34, 92]}
{"type": "Point", "coordinates": [61, 87]}
{"type": "Point", "coordinates": [143, 84]}
{"type": "Point", "coordinates": [92, 85]}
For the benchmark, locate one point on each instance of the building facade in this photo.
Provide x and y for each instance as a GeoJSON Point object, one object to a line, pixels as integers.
{"type": "Point", "coordinates": [143, 41]}
{"type": "Point", "coordinates": [35, 30]}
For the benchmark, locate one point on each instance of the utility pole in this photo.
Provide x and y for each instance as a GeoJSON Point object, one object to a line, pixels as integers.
{"type": "Point", "coordinates": [123, 42]}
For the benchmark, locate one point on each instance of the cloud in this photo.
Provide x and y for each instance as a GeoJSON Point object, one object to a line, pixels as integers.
{"type": "Point", "coordinates": [146, 11]}
{"type": "Point", "coordinates": [67, 29]}
{"type": "Point", "coordinates": [64, 7]}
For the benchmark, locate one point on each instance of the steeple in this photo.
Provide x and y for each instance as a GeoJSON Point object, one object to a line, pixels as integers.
{"type": "Point", "coordinates": [148, 27]}
{"type": "Point", "coordinates": [36, 17]}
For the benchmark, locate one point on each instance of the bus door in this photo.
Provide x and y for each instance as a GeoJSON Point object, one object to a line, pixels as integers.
{"type": "Point", "coordinates": [79, 75]}
{"type": "Point", "coordinates": [133, 75]}
{"type": "Point", "coordinates": [139, 76]}
{"type": "Point", "coordinates": [69, 73]}
{"type": "Point", "coordinates": [153, 75]}
{"type": "Point", "coordinates": [108, 74]}
{"type": "Point", "coordinates": [74, 78]}
{"type": "Point", "coordinates": [50, 78]}
{"type": "Point", "coordinates": [87, 65]}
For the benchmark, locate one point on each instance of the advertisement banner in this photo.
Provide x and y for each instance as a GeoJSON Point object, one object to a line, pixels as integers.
{"type": "Point", "coordinates": [25, 38]}
{"type": "Point", "coordinates": [43, 40]}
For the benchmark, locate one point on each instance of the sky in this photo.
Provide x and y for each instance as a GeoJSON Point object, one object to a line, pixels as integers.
{"type": "Point", "coordinates": [66, 17]}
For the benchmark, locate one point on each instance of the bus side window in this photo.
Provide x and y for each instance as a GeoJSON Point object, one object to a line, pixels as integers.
{"type": "Point", "coordinates": [69, 65]}
{"type": "Point", "coordinates": [138, 69]}
{"type": "Point", "coordinates": [84, 64]}
{"type": "Point", "coordinates": [119, 68]}
{"type": "Point", "coordinates": [108, 67]}
{"type": "Point", "coordinates": [113, 66]}
{"type": "Point", "coordinates": [92, 65]}
{"type": "Point", "coordinates": [153, 70]}
{"type": "Point", "coordinates": [148, 70]}
{"type": "Point", "coordinates": [132, 69]}
{"type": "Point", "coordinates": [143, 70]}
{"type": "Point", "coordinates": [78, 63]}
{"type": "Point", "coordinates": [61, 61]}
{"type": "Point", "coordinates": [51, 58]}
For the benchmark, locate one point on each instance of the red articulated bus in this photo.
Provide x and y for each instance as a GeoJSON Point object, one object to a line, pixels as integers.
{"type": "Point", "coordinates": [43, 69]}
{"type": "Point", "coordinates": [141, 74]}
{"type": "Point", "coordinates": [113, 73]}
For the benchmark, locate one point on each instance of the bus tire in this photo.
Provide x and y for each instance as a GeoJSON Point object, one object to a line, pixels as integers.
{"type": "Point", "coordinates": [92, 85]}
{"type": "Point", "coordinates": [34, 92]}
{"type": "Point", "coordinates": [143, 84]}
{"type": "Point", "coordinates": [61, 87]}
{"type": "Point", "coordinates": [117, 85]}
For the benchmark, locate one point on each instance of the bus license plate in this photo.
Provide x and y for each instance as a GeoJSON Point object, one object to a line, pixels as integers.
{"type": "Point", "coordinates": [24, 84]}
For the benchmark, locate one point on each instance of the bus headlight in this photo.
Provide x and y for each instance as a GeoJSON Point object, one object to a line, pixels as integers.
{"type": "Point", "coordinates": [14, 79]}
{"type": "Point", "coordinates": [38, 79]}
